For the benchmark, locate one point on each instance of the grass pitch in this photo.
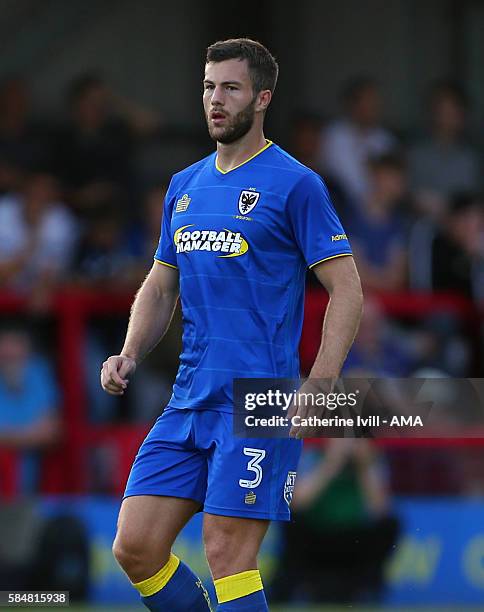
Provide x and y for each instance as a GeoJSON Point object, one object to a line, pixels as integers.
{"type": "Point", "coordinates": [348, 608]}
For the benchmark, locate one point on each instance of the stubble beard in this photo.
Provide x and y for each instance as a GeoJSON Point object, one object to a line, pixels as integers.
{"type": "Point", "coordinates": [238, 127]}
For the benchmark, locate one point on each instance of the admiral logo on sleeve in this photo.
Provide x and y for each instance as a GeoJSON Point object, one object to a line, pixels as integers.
{"type": "Point", "coordinates": [183, 203]}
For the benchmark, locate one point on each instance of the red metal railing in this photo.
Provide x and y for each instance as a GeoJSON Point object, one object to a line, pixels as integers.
{"type": "Point", "coordinates": [66, 467]}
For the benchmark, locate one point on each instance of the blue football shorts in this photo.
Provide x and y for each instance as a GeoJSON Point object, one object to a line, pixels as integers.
{"type": "Point", "coordinates": [193, 454]}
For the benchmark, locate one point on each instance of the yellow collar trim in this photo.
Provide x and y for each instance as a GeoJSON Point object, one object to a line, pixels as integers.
{"type": "Point", "coordinates": [266, 146]}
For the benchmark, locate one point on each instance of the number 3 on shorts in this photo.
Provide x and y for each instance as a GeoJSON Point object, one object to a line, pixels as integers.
{"type": "Point", "coordinates": [257, 455]}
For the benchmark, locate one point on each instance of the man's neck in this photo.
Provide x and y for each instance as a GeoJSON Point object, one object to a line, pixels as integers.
{"type": "Point", "coordinates": [229, 156]}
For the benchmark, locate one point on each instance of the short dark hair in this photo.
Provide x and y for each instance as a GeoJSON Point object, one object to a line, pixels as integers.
{"type": "Point", "coordinates": [263, 68]}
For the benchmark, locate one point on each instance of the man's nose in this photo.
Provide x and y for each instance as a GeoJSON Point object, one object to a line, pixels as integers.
{"type": "Point", "coordinates": [218, 97]}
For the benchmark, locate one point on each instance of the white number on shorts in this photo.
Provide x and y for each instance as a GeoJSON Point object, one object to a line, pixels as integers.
{"type": "Point", "coordinates": [257, 455]}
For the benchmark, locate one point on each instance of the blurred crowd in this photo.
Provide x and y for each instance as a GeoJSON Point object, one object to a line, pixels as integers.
{"type": "Point", "coordinates": [80, 205]}
{"type": "Point", "coordinates": [414, 212]}
{"type": "Point", "coordinates": [412, 207]}
{"type": "Point", "coordinates": [81, 202]}
{"type": "Point", "coordinates": [76, 204]}
{"type": "Point", "coordinates": [341, 506]}
{"type": "Point", "coordinates": [72, 208]}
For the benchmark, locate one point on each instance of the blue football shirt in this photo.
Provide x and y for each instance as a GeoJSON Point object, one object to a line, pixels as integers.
{"type": "Point", "coordinates": [242, 241]}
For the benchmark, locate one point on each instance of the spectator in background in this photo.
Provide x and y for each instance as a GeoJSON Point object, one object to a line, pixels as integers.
{"type": "Point", "coordinates": [444, 163]}
{"type": "Point", "coordinates": [305, 144]}
{"type": "Point", "coordinates": [23, 141]}
{"type": "Point", "coordinates": [342, 531]}
{"type": "Point", "coordinates": [377, 229]}
{"type": "Point", "coordinates": [153, 388]}
{"type": "Point", "coordinates": [142, 238]}
{"type": "Point", "coordinates": [10, 176]}
{"type": "Point", "coordinates": [448, 255]}
{"type": "Point", "coordinates": [102, 258]}
{"type": "Point", "coordinates": [305, 138]}
{"type": "Point", "coordinates": [29, 401]}
{"type": "Point", "coordinates": [440, 346]}
{"type": "Point", "coordinates": [378, 349]}
{"type": "Point", "coordinates": [348, 143]}
{"type": "Point", "coordinates": [37, 236]}
{"type": "Point", "coordinates": [457, 251]}
{"type": "Point", "coordinates": [94, 148]}
{"type": "Point", "coordinates": [109, 257]}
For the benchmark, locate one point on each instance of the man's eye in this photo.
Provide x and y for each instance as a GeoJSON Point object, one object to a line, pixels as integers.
{"type": "Point", "coordinates": [231, 88]}
{"type": "Point", "coordinates": [208, 86]}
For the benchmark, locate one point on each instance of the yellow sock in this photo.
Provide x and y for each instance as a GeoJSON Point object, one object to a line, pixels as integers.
{"type": "Point", "coordinates": [160, 579]}
{"type": "Point", "coordinates": [238, 585]}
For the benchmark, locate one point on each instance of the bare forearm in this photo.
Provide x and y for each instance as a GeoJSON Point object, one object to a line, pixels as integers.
{"type": "Point", "coordinates": [339, 328]}
{"type": "Point", "coordinates": [151, 315]}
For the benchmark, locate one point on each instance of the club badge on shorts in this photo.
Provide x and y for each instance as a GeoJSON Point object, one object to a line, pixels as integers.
{"type": "Point", "coordinates": [289, 487]}
{"type": "Point", "coordinates": [250, 498]}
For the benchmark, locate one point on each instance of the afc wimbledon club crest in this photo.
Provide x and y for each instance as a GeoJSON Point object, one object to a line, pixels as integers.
{"type": "Point", "coordinates": [247, 201]}
{"type": "Point", "coordinates": [289, 487]}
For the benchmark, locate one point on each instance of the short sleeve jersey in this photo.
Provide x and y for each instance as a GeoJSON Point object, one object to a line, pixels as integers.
{"type": "Point", "coordinates": [242, 241]}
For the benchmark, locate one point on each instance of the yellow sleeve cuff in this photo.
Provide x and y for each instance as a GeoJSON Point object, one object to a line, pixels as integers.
{"type": "Point", "coordinates": [164, 263]}
{"type": "Point", "coordinates": [330, 257]}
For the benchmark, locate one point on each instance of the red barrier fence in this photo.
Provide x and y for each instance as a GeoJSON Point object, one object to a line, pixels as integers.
{"type": "Point", "coordinates": [66, 467]}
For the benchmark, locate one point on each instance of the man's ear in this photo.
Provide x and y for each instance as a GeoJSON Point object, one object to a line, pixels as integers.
{"type": "Point", "coordinates": [263, 100]}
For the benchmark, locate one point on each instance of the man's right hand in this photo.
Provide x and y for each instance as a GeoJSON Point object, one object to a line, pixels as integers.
{"type": "Point", "coordinates": [115, 373]}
